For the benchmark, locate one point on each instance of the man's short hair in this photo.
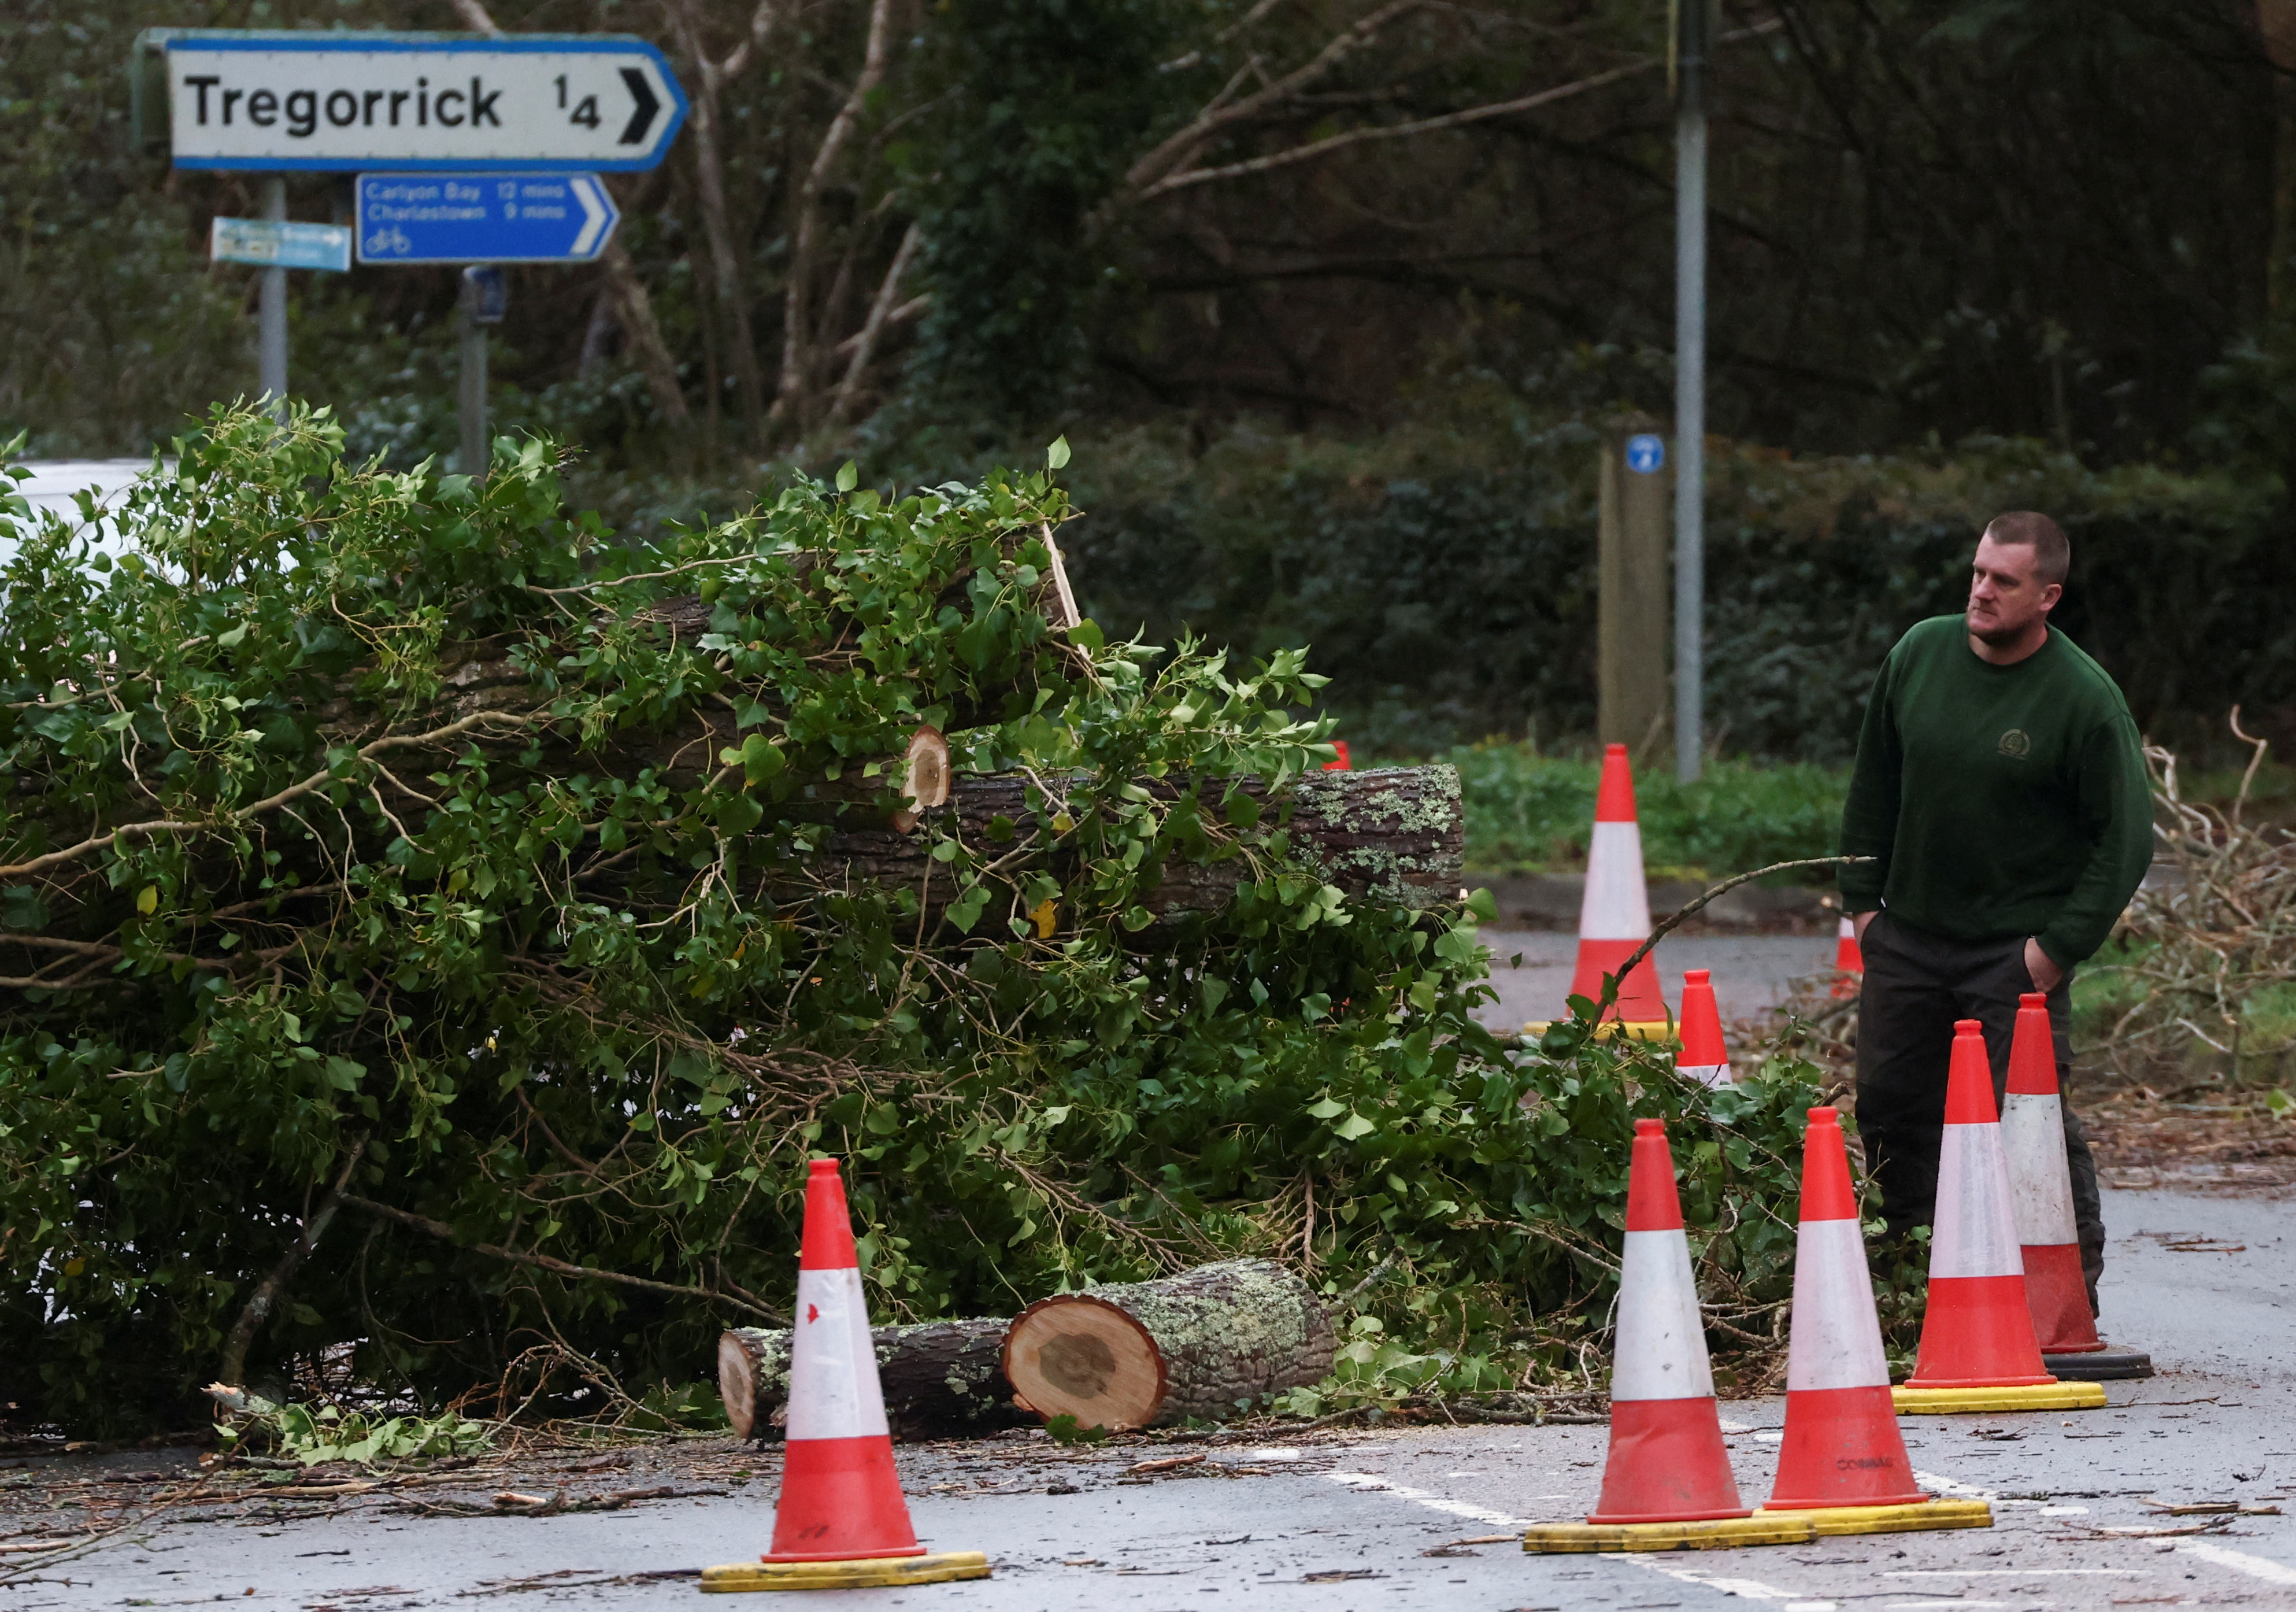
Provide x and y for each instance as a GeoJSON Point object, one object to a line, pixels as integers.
{"type": "Point", "coordinates": [2053, 552]}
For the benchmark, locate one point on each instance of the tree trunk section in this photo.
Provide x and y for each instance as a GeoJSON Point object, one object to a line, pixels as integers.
{"type": "Point", "coordinates": [939, 1377]}
{"type": "Point", "coordinates": [1389, 834]}
{"type": "Point", "coordinates": [1207, 1342]}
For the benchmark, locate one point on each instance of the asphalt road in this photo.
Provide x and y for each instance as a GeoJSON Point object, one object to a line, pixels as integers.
{"type": "Point", "coordinates": [1751, 972]}
{"type": "Point", "coordinates": [1338, 1521]}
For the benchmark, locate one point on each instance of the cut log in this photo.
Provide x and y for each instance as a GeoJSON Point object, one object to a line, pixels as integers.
{"type": "Point", "coordinates": [939, 1377]}
{"type": "Point", "coordinates": [1207, 1342]}
{"type": "Point", "coordinates": [1392, 834]}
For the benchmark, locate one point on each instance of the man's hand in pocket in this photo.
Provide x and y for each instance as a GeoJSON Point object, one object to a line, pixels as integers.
{"type": "Point", "coordinates": [2046, 975]}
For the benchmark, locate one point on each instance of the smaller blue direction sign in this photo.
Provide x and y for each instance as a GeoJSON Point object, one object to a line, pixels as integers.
{"type": "Point", "coordinates": [275, 244]}
{"type": "Point", "coordinates": [535, 217]}
{"type": "Point", "coordinates": [1645, 453]}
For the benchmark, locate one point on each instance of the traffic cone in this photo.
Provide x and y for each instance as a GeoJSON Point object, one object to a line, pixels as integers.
{"type": "Point", "coordinates": [1848, 959]}
{"type": "Point", "coordinates": [1342, 763]}
{"type": "Point", "coordinates": [1841, 1447]}
{"type": "Point", "coordinates": [1614, 915]}
{"type": "Point", "coordinates": [2040, 1185]}
{"type": "Point", "coordinates": [1842, 1458]}
{"type": "Point", "coordinates": [1978, 1350]}
{"type": "Point", "coordinates": [1702, 1056]}
{"type": "Point", "coordinates": [841, 1522]}
{"type": "Point", "coordinates": [1667, 1461]}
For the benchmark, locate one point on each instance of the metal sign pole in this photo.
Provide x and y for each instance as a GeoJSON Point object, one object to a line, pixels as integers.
{"type": "Point", "coordinates": [483, 302]}
{"type": "Point", "coordinates": [271, 314]}
{"type": "Point", "coordinates": [1689, 387]}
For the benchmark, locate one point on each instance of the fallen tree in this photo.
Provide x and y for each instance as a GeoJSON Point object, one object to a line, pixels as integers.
{"type": "Point", "coordinates": [1210, 1342]}
{"type": "Point", "coordinates": [938, 1377]}
{"type": "Point", "coordinates": [433, 936]}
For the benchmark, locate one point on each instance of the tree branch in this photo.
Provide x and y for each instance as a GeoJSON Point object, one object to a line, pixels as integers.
{"type": "Point", "coordinates": [543, 1261]}
{"type": "Point", "coordinates": [1178, 148]}
{"type": "Point", "coordinates": [880, 314]}
{"type": "Point", "coordinates": [1427, 126]}
{"type": "Point", "coordinates": [260, 1305]}
{"type": "Point", "coordinates": [797, 358]}
{"type": "Point", "coordinates": [293, 792]}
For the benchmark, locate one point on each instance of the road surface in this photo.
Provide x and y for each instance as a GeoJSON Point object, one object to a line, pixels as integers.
{"type": "Point", "coordinates": [1346, 1520]}
{"type": "Point", "coordinates": [1751, 972]}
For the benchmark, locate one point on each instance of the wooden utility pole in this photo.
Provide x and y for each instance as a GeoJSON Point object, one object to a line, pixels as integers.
{"type": "Point", "coordinates": [1631, 613]}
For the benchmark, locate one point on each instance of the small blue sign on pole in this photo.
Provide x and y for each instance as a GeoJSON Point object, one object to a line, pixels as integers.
{"type": "Point", "coordinates": [483, 217]}
{"type": "Point", "coordinates": [1645, 453]}
{"type": "Point", "coordinates": [275, 244]}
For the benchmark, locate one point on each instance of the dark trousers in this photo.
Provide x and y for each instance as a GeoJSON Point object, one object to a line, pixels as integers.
{"type": "Point", "coordinates": [1916, 985]}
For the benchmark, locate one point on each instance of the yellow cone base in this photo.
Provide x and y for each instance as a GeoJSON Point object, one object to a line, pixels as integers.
{"type": "Point", "coordinates": [865, 1573]}
{"type": "Point", "coordinates": [1787, 1528]}
{"type": "Point", "coordinates": [1895, 1519]}
{"type": "Point", "coordinates": [1635, 1030]}
{"type": "Point", "coordinates": [1984, 1402]}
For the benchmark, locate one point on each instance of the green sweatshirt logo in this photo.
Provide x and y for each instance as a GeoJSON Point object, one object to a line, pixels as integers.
{"type": "Point", "coordinates": [2016, 742]}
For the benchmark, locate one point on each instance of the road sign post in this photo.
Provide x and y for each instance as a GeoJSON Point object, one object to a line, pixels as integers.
{"type": "Point", "coordinates": [1691, 21]}
{"type": "Point", "coordinates": [1630, 613]}
{"type": "Point", "coordinates": [484, 299]}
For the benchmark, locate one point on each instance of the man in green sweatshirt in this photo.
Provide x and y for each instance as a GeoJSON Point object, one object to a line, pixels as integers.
{"type": "Point", "coordinates": [2001, 790]}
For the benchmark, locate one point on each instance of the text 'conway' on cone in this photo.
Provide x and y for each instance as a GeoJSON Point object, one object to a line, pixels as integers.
{"type": "Point", "coordinates": [1841, 1446]}
{"type": "Point", "coordinates": [841, 1521]}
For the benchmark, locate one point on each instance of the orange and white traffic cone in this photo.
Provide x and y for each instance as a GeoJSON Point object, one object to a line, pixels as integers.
{"type": "Point", "coordinates": [1848, 959]}
{"type": "Point", "coordinates": [1667, 1461]}
{"type": "Point", "coordinates": [1614, 914]}
{"type": "Point", "coordinates": [1841, 1447]}
{"type": "Point", "coordinates": [841, 1522]}
{"type": "Point", "coordinates": [1702, 1056]}
{"type": "Point", "coordinates": [2041, 1188]}
{"type": "Point", "coordinates": [1979, 1351]}
{"type": "Point", "coordinates": [1842, 1456]}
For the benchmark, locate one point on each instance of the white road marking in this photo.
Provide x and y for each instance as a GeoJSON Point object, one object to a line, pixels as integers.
{"type": "Point", "coordinates": [2239, 1561]}
{"type": "Point", "coordinates": [1946, 1485]}
{"type": "Point", "coordinates": [1432, 1501]}
{"type": "Point", "coordinates": [2015, 1573]}
{"type": "Point", "coordinates": [1745, 1589]}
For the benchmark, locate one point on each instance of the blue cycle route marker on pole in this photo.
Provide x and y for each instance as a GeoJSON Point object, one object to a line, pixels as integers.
{"type": "Point", "coordinates": [273, 243]}
{"type": "Point", "coordinates": [1645, 453]}
{"type": "Point", "coordinates": [483, 217]}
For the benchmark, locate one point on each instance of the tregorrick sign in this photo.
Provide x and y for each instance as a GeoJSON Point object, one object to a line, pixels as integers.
{"type": "Point", "coordinates": [410, 102]}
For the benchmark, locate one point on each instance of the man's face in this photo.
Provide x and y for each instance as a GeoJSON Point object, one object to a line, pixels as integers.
{"type": "Point", "coordinates": [2005, 597]}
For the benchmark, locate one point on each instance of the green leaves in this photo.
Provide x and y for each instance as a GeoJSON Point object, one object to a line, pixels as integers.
{"type": "Point", "coordinates": [582, 909]}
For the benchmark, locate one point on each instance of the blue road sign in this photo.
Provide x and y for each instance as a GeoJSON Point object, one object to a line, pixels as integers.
{"type": "Point", "coordinates": [538, 217]}
{"type": "Point", "coordinates": [1645, 453]}
{"type": "Point", "coordinates": [443, 102]}
{"type": "Point", "coordinates": [274, 244]}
